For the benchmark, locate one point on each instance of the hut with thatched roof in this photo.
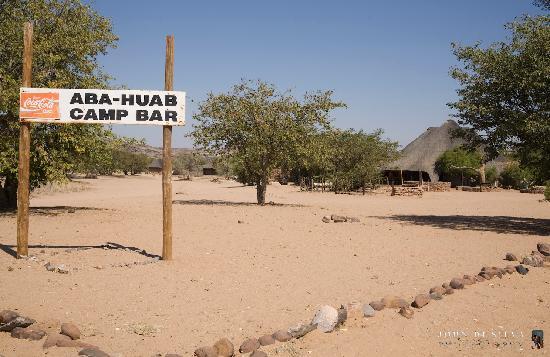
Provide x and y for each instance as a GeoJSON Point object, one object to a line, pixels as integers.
{"type": "Point", "coordinates": [155, 166]}
{"type": "Point", "coordinates": [418, 158]}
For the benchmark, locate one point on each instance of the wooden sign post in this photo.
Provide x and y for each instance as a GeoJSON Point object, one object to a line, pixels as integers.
{"type": "Point", "coordinates": [97, 106]}
{"type": "Point", "coordinates": [24, 154]}
{"type": "Point", "coordinates": [167, 158]}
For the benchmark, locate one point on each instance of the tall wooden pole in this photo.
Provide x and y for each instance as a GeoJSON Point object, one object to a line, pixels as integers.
{"type": "Point", "coordinates": [24, 154]}
{"type": "Point", "coordinates": [167, 158]}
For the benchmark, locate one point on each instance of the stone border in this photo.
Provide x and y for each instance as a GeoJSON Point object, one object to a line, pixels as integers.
{"type": "Point", "coordinates": [328, 318]}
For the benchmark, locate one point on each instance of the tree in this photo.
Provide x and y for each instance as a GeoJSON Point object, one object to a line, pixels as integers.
{"type": "Point", "coordinates": [513, 176]}
{"type": "Point", "coordinates": [260, 128]}
{"type": "Point", "coordinates": [459, 163]}
{"type": "Point", "coordinates": [68, 38]}
{"type": "Point", "coordinates": [358, 158]}
{"type": "Point", "coordinates": [504, 94]}
{"type": "Point", "coordinates": [189, 163]}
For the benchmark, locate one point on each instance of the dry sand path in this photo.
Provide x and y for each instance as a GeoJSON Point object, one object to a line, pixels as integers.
{"type": "Point", "coordinates": [274, 269]}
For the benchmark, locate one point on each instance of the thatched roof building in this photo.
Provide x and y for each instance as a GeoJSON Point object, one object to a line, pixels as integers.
{"type": "Point", "coordinates": [421, 154]}
{"type": "Point", "coordinates": [155, 166]}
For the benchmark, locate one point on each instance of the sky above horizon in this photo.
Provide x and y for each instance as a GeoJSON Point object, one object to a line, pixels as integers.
{"type": "Point", "coordinates": [388, 61]}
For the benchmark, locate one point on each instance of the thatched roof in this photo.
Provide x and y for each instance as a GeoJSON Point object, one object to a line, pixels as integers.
{"type": "Point", "coordinates": [422, 152]}
{"type": "Point", "coordinates": [156, 164]}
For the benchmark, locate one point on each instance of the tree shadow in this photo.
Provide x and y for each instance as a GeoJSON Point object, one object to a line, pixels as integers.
{"type": "Point", "coordinates": [10, 249]}
{"type": "Point", "coordinates": [498, 224]}
{"type": "Point", "coordinates": [50, 211]}
{"type": "Point", "coordinates": [230, 203]}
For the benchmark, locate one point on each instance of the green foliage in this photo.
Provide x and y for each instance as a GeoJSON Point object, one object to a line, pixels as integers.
{"type": "Point", "coordinates": [504, 95]}
{"type": "Point", "coordinates": [547, 191]}
{"type": "Point", "coordinates": [491, 175]}
{"type": "Point", "coordinates": [459, 165]}
{"type": "Point", "coordinates": [357, 158]}
{"type": "Point", "coordinates": [223, 166]}
{"type": "Point", "coordinates": [513, 176]}
{"type": "Point", "coordinates": [189, 164]}
{"type": "Point", "coordinates": [68, 38]}
{"type": "Point", "coordinates": [260, 128]}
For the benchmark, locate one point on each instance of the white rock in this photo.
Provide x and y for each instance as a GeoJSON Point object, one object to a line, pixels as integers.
{"type": "Point", "coordinates": [368, 311]}
{"type": "Point", "coordinates": [326, 318]}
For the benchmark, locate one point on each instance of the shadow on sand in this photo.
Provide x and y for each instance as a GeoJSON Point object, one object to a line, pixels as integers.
{"type": "Point", "coordinates": [50, 211]}
{"type": "Point", "coordinates": [498, 224]}
{"type": "Point", "coordinates": [10, 249]}
{"type": "Point", "coordinates": [230, 203]}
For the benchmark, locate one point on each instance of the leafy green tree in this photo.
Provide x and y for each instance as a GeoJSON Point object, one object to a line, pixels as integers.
{"type": "Point", "coordinates": [260, 128]}
{"type": "Point", "coordinates": [459, 164]}
{"type": "Point", "coordinates": [125, 156]}
{"type": "Point", "coordinates": [68, 39]}
{"type": "Point", "coordinates": [189, 163]}
{"type": "Point", "coordinates": [223, 166]}
{"type": "Point", "coordinates": [513, 176]}
{"type": "Point", "coordinates": [358, 158]}
{"type": "Point", "coordinates": [491, 175]}
{"type": "Point", "coordinates": [504, 94]}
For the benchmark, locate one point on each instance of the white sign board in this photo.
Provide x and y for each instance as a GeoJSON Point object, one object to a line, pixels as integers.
{"type": "Point", "coordinates": [98, 106]}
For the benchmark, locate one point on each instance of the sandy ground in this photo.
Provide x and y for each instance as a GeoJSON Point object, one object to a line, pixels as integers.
{"type": "Point", "coordinates": [240, 270]}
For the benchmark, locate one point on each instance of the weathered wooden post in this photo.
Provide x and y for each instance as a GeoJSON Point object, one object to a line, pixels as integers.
{"type": "Point", "coordinates": [167, 158]}
{"type": "Point", "coordinates": [24, 153]}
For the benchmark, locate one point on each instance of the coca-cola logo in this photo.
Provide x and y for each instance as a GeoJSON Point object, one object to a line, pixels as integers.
{"type": "Point", "coordinates": [39, 103]}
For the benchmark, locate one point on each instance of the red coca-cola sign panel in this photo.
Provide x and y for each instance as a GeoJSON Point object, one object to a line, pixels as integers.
{"type": "Point", "coordinates": [39, 105]}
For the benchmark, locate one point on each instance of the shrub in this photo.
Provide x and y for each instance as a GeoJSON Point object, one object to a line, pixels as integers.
{"type": "Point", "coordinates": [515, 177]}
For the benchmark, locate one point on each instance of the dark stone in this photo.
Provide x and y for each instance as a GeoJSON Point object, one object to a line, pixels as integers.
{"type": "Point", "coordinates": [19, 321]}
{"type": "Point", "coordinates": [533, 260]}
{"type": "Point", "coordinates": [7, 316]}
{"type": "Point", "coordinates": [511, 257]}
{"type": "Point", "coordinates": [60, 340]}
{"type": "Point", "coordinates": [436, 296]}
{"type": "Point", "coordinates": [522, 270]}
{"type": "Point", "coordinates": [457, 283]}
{"type": "Point", "coordinates": [93, 352]}
{"type": "Point", "coordinates": [282, 336]}
{"type": "Point", "coordinates": [266, 340]}
{"type": "Point", "coordinates": [544, 249]}
{"type": "Point", "coordinates": [224, 347]}
{"type": "Point", "coordinates": [70, 329]}
{"type": "Point", "coordinates": [338, 219]}
{"type": "Point", "coordinates": [250, 345]}
{"type": "Point", "coordinates": [27, 333]}
{"type": "Point", "coordinates": [421, 300]}
{"type": "Point", "coordinates": [342, 315]}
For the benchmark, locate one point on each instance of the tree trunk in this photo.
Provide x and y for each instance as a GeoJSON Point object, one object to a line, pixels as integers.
{"type": "Point", "coordinates": [8, 194]}
{"type": "Point", "coordinates": [261, 187]}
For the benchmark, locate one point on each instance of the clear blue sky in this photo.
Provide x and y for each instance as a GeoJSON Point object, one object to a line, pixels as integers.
{"type": "Point", "coordinates": [387, 60]}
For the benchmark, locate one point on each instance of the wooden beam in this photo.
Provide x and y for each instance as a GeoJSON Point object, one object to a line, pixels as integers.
{"type": "Point", "coordinates": [23, 172]}
{"type": "Point", "coordinates": [167, 158]}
